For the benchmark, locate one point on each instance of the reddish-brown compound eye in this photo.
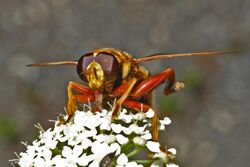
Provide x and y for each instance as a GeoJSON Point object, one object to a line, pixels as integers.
{"type": "Point", "coordinates": [82, 65]}
{"type": "Point", "coordinates": [109, 65]}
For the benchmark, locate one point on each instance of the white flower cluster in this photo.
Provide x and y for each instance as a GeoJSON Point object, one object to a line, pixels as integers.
{"type": "Point", "coordinates": [95, 139]}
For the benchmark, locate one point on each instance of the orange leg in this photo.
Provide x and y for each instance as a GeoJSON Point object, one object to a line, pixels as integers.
{"type": "Point", "coordinates": [152, 82]}
{"type": "Point", "coordinates": [85, 94]}
{"type": "Point", "coordinates": [145, 87]}
{"type": "Point", "coordinates": [126, 88]}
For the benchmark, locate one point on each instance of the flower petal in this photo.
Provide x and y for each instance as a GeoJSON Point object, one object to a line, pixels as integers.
{"type": "Point", "coordinates": [121, 139]}
{"type": "Point", "coordinates": [153, 146]}
{"type": "Point", "coordinates": [150, 113]}
{"type": "Point", "coordinates": [122, 159]}
{"type": "Point", "coordinates": [139, 141]}
{"type": "Point", "coordinates": [117, 128]}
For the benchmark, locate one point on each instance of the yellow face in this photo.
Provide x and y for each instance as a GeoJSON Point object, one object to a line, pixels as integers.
{"type": "Point", "coordinates": [95, 75]}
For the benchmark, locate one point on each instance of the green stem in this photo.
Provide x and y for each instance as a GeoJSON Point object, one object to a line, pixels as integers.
{"type": "Point", "coordinates": [134, 152]}
{"type": "Point", "coordinates": [127, 147]}
{"type": "Point", "coordinates": [143, 161]}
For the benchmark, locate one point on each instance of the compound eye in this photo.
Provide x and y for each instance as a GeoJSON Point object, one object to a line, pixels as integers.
{"type": "Point", "coordinates": [109, 65]}
{"type": "Point", "coordinates": [82, 65]}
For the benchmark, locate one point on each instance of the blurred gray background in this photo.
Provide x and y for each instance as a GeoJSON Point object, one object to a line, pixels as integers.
{"type": "Point", "coordinates": [211, 116]}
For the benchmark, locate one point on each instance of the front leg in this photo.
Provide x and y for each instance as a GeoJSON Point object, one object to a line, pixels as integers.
{"type": "Point", "coordinates": [123, 91]}
{"type": "Point", "coordinates": [85, 94]}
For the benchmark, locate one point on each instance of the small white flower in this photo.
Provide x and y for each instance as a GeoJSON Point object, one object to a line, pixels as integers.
{"type": "Point", "coordinates": [127, 118]}
{"type": "Point", "coordinates": [140, 116]}
{"type": "Point", "coordinates": [46, 154]}
{"type": "Point", "coordinates": [115, 147]}
{"type": "Point", "coordinates": [85, 159]}
{"type": "Point", "coordinates": [153, 146]}
{"type": "Point", "coordinates": [127, 130]}
{"type": "Point", "coordinates": [172, 150]}
{"type": "Point", "coordinates": [133, 164]}
{"type": "Point", "coordinates": [150, 113]}
{"type": "Point", "coordinates": [39, 162]}
{"type": "Point", "coordinates": [121, 139]}
{"type": "Point", "coordinates": [162, 156]}
{"type": "Point", "coordinates": [165, 121]}
{"type": "Point", "coordinates": [103, 113]}
{"type": "Point", "coordinates": [117, 128]}
{"type": "Point", "coordinates": [105, 125]}
{"type": "Point", "coordinates": [99, 138]}
{"type": "Point", "coordinates": [90, 133]}
{"type": "Point", "coordinates": [58, 161]}
{"type": "Point", "coordinates": [137, 129]}
{"type": "Point", "coordinates": [147, 135]}
{"type": "Point", "coordinates": [162, 127]}
{"type": "Point", "coordinates": [89, 121]}
{"type": "Point", "coordinates": [110, 139]}
{"type": "Point", "coordinates": [94, 164]}
{"type": "Point", "coordinates": [122, 159]}
{"type": "Point", "coordinates": [25, 160]}
{"type": "Point", "coordinates": [100, 150]}
{"type": "Point", "coordinates": [72, 155]}
{"type": "Point", "coordinates": [86, 143]}
{"type": "Point", "coordinates": [48, 140]}
{"type": "Point", "coordinates": [139, 141]}
{"type": "Point", "coordinates": [172, 165]}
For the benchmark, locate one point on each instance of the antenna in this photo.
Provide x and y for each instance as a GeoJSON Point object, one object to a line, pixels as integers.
{"type": "Point", "coordinates": [53, 63]}
{"type": "Point", "coordinates": [173, 55]}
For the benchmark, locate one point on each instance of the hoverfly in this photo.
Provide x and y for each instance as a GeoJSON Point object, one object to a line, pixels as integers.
{"type": "Point", "coordinates": [114, 74]}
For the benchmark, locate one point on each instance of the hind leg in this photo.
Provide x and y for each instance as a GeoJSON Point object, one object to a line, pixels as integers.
{"type": "Point", "coordinates": [149, 84]}
{"type": "Point", "coordinates": [154, 81]}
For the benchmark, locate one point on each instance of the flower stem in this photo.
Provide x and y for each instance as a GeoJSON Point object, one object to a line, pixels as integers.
{"type": "Point", "coordinates": [127, 147]}
{"type": "Point", "coordinates": [143, 161]}
{"type": "Point", "coordinates": [134, 152]}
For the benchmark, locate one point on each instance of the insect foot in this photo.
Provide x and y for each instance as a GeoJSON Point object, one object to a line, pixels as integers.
{"type": "Point", "coordinates": [96, 139]}
{"type": "Point", "coordinates": [178, 86]}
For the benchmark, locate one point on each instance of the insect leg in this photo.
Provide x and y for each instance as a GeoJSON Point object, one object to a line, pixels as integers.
{"type": "Point", "coordinates": [144, 107]}
{"type": "Point", "coordinates": [149, 84]}
{"type": "Point", "coordinates": [126, 88]}
{"type": "Point", "coordinates": [85, 95]}
{"type": "Point", "coordinates": [152, 82]}
{"type": "Point", "coordinates": [135, 105]}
